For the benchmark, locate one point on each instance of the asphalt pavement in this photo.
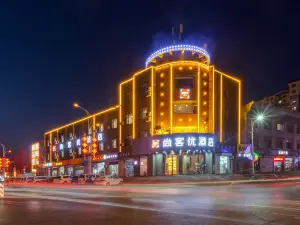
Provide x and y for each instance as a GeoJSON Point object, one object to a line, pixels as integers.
{"type": "Point", "coordinates": [269, 203]}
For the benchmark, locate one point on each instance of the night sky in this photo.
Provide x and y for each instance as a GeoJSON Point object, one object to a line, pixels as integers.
{"type": "Point", "coordinates": [53, 53]}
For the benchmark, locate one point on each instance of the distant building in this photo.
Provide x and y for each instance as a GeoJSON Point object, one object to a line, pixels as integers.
{"type": "Point", "coordinates": [277, 137]}
{"type": "Point", "coordinates": [287, 99]}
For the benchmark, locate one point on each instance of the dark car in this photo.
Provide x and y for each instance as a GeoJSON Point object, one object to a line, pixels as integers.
{"type": "Point", "coordinates": [74, 180]}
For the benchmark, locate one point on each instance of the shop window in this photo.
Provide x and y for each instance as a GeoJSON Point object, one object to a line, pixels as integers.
{"type": "Point", "coordinates": [114, 143]}
{"type": "Point", "coordinates": [128, 140]}
{"type": "Point", "coordinates": [280, 127]}
{"type": "Point", "coordinates": [129, 118]}
{"type": "Point", "coordinates": [101, 146]}
{"type": "Point", "coordinates": [184, 108]}
{"type": "Point", "coordinates": [290, 129]}
{"type": "Point", "coordinates": [279, 143]}
{"type": "Point", "coordinates": [144, 113]}
{"type": "Point", "coordinates": [114, 123]}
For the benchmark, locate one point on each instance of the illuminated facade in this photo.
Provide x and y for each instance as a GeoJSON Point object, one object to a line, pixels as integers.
{"type": "Point", "coordinates": [172, 118]}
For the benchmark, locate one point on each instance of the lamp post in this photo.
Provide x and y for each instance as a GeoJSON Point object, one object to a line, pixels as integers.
{"type": "Point", "coordinates": [258, 118]}
{"type": "Point", "coordinates": [90, 131]}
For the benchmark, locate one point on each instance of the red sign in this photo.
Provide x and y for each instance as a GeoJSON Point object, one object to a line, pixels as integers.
{"type": "Point", "coordinates": [278, 159]}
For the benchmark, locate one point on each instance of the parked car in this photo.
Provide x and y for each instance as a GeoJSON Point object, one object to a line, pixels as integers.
{"type": "Point", "coordinates": [86, 179]}
{"type": "Point", "coordinates": [39, 179]}
{"type": "Point", "coordinates": [74, 180]}
{"type": "Point", "coordinates": [110, 180]}
{"type": "Point", "coordinates": [63, 179]}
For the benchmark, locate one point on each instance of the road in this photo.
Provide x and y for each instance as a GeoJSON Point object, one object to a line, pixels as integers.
{"type": "Point", "coordinates": [277, 203]}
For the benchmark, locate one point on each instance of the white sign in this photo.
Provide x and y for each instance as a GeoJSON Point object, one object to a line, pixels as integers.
{"type": "Point", "coordinates": [191, 141]}
{"type": "Point", "coordinates": [47, 164]}
{"type": "Point", "coordinates": [69, 144]}
{"type": "Point", "coordinates": [179, 141]}
{"type": "Point", "coordinates": [283, 152]}
{"type": "Point", "coordinates": [100, 136]}
{"type": "Point", "coordinates": [167, 142]}
{"type": "Point", "coordinates": [78, 142]}
{"type": "Point", "coordinates": [110, 156]}
{"type": "Point", "coordinates": [61, 146]}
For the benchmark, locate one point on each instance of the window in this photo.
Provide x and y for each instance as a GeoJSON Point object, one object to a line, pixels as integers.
{"type": "Point", "coordinates": [129, 118]}
{"type": "Point", "coordinates": [293, 91]}
{"type": "Point", "coordinates": [101, 127]}
{"type": "Point", "coordinates": [293, 85]}
{"type": "Point", "coordinates": [144, 113]}
{"type": "Point", "coordinates": [185, 108]}
{"type": "Point", "coordinates": [184, 82]}
{"type": "Point", "coordinates": [144, 88]}
{"type": "Point", "coordinates": [280, 127]}
{"type": "Point", "coordinates": [289, 144]}
{"type": "Point", "coordinates": [279, 143]}
{"type": "Point", "coordinates": [144, 134]}
{"type": "Point", "coordinates": [101, 146]}
{"type": "Point", "coordinates": [114, 123]}
{"type": "Point", "coordinates": [128, 140]}
{"type": "Point", "coordinates": [267, 125]}
{"type": "Point", "coordinates": [290, 129]}
{"type": "Point", "coordinates": [114, 143]}
{"type": "Point", "coordinates": [267, 142]}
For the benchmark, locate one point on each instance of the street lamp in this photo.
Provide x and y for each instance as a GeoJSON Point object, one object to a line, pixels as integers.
{"type": "Point", "coordinates": [76, 105]}
{"type": "Point", "coordinates": [258, 118]}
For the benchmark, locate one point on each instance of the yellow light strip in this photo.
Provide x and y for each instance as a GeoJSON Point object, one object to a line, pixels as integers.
{"type": "Point", "coordinates": [141, 71]}
{"type": "Point", "coordinates": [179, 62]}
{"type": "Point", "coordinates": [83, 119]}
{"type": "Point", "coordinates": [239, 113]}
{"type": "Point", "coordinates": [198, 98]}
{"type": "Point", "coordinates": [221, 108]}
{"type": "Point", "coordinates": [152, 101]}
{"type": "Point", "coordinates": [213, 101]}
{"type": "Point", "coordinates": [133, 108]}
{"type": "Point", "coordinates": [171, 98]}
{"type": "Point", "coordinates": [231, 77]}
{"type": "Point", "coordinates": [126, 81]}
{"type": "Point", "coordinates": [50, 153]}
{"type": "Point", "coordinates": [120, 117]}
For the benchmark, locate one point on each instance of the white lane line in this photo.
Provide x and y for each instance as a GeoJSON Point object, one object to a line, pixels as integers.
{"type": "Point", "coordinates": [239, 221]}
{"type": "Point", "coordinates": [267, 206]}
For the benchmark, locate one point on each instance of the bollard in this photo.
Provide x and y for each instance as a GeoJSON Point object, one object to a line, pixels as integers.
{"type": "Point", "coordinates": [2, 186]}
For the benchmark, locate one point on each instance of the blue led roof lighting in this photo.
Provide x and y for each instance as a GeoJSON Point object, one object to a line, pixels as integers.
{"type": "Point", "coordinates": [174, 48]}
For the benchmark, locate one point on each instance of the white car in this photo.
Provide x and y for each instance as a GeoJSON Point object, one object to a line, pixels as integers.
{"type": "Point", "coordinates": [110, 180]}
{"type": "Point", "coordinates": [64, 179]}
{"type": "Point", "coordinates": [39, 179]}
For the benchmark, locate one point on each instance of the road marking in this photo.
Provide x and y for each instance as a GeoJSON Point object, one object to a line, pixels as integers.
{"type": "Point", "coordinates": [251, 222]}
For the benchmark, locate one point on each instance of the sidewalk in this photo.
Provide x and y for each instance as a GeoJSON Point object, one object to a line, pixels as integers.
{"type": "Point", "coordinates": [210, 179]}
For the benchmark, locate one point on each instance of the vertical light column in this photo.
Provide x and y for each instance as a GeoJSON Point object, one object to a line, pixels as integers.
{"type": "Point", "coordinates": [239, 112]}
{"type": "Point", "coordinates": [198, 98]}
{"type": "Point", "coordinates": [50, 152]}
{"type": "Point", "coordinates": [152, 101]}
{"type": "Point", "coordinates": [213, 101]}
{"type": "Point", "coordinates": [120, 117]}
{"type": "Point", "coordinates": [221, 107]}
{"type": "Point", "coordinates": [133, 107]}
{"type": "Point", "coordinates": [171, 98]}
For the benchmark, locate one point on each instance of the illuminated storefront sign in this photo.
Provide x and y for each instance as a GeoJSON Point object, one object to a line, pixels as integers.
{"type": "Point", "coordinates": [47, 164]}
{"type": "Point", "coordinates": [78, 143]}
{"type": "Point", "coordinates": [100, 136]}
{"type": "Point", "coordinates": [278, 159]}
{"type": "Point", "coordinates": [69, 143]}
{"type": "Point", "coordinates": [54, 148]}
{"type": "Point", "coordinates": [179, 141]}
{"type": "Point", "coordinates": [61, 146]}
{"type": "Point", "coordinates": [35, 154]}
{"type": "Point", "coordinates": [110, 156]}
{"type": "Point", "coordinates": [184, 93]}
{"type": "Point", "coordinates": [283, 152]}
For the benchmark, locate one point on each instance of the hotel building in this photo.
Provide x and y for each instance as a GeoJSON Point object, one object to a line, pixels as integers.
{"type": "Point", "coordinates": [178, 115]}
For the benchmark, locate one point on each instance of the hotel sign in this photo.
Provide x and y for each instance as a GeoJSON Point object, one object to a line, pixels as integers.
{"type": "Point", "coordinates": [184, 141]}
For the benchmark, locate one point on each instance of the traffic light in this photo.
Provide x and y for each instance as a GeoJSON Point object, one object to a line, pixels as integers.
{"type": "Point", "coordinates": [84, 146]}
{"type": "Point", "coordinates": [94, 146]}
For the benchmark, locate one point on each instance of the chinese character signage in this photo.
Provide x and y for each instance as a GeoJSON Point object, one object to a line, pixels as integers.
{"type": "Point", "coordinates": [184, 93]}
{"type": "Point", "coordinates": [184, 141]}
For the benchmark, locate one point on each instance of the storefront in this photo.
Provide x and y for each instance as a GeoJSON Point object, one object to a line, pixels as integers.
{"type": "Point", "coordinates": [99, 168]}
